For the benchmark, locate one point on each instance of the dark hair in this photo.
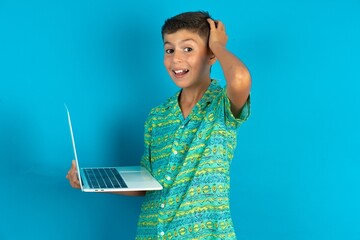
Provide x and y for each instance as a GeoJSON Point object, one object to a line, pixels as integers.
{"type": "Point", "coordinates": [192, 21]}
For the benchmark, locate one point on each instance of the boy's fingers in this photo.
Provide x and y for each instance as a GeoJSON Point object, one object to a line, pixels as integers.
{"type": "Point", "coordinates": [220, 25]}
{"type": "Point", "coordinates": [216, 24]}
{"type": "Point", "coordinates": [69, 174]}
{"type": "Point", "coordinates": [73, 164]}
{"type": "Point", "coordinates": [75, 183]}
{"type": "Point", "coordinates": [211, 23]}
{"type": "Point", "coordinates": [72, 175]}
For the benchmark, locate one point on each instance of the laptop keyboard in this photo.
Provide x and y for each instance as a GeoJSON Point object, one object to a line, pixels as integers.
{"type": "Point", "coordinates": [104, 178]}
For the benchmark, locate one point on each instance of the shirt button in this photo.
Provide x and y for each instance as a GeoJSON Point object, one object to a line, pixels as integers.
{"type": "Point", "coordinates": [162, 205]}
{"type": "Point", "coordinates": [168, 178]}
{"type": "Point", "coordinates": [175, 152]}
{"type": "Point", "coordinates": [162, 233]}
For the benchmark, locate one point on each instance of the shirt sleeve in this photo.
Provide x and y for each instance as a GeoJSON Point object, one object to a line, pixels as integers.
{"type": "Point", "coordinates": [235, 121]}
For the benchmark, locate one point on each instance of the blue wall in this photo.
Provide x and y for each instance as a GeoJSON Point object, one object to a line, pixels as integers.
{"type": "Point", "coordinates": [295, 175]}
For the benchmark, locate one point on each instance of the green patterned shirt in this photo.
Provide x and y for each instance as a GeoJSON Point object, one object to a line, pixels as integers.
{"type": "Point", "coordinates": [191, 159]}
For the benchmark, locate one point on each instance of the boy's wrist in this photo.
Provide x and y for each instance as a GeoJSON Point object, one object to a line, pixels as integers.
{"type": "Point", "coordinates": [216, 47]}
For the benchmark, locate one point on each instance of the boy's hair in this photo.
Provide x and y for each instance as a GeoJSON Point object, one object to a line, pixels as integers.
{"type": "Point", "coordinates": [192, 21]}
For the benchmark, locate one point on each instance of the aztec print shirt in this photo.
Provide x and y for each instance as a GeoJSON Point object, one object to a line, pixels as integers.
{"type": "Point", "coordinates": [191, 159]}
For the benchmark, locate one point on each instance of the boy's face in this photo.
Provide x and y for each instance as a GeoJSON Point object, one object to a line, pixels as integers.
{"type": "Point", "coordinates": [187, 59]}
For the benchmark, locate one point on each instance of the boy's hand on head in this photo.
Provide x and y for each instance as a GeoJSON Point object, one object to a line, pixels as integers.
{"type": "Point", "coordinates": [217, 34]}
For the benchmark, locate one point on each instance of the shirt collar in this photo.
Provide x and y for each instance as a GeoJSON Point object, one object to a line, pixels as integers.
{"type": "Point", "coordinates": [206, 99]}
{"type": "Point", "coordinates": [209, 94]}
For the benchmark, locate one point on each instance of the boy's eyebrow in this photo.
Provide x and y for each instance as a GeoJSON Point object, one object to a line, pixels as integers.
{"type": "Point", "coordinates": [182, 41]}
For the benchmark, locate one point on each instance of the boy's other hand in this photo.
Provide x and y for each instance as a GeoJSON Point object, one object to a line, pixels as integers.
{"type": "Point", "coordinates": [217, 33]}
{"type": "Point", "coordinates": [72, 176]}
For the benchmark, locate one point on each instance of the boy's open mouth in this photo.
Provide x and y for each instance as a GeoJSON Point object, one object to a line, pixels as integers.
{"type": "Point", "coordinates": [180, 72]}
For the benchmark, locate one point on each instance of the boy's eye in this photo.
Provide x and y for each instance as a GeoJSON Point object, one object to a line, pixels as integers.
{"type": "Point", "coordinates": [169, 51]}
{"type": "Point", "coordinates": [188, 49]}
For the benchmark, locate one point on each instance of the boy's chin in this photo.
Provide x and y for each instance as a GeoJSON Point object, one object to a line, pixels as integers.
{"type": "Point", "coordinates": [181, 83]}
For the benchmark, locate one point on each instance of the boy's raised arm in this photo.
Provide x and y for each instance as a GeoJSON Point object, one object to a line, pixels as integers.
{"type": "Point", "coordinates": [237, 76]}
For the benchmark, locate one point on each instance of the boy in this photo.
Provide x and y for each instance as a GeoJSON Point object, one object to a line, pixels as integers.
{"type": "Point", "coordinates": [191, 138]}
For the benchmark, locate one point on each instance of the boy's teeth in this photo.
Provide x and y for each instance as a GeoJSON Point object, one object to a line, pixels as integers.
{"type": "Point", "coordinates": [180, 71]}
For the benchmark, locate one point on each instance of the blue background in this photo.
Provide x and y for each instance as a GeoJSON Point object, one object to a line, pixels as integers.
{"type": "Point", "coordinates": [295, 174]}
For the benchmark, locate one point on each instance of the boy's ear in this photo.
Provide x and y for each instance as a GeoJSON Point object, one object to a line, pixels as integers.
{"type": "Point", "coordinates": [212, 58]}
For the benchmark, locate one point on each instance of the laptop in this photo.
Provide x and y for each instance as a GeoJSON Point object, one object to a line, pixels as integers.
{"type": "Point", "coordinates": [112, 179]}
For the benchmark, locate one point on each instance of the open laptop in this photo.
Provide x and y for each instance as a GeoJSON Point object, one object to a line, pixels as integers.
{"type": "Point", "coordinates": [113, 179]}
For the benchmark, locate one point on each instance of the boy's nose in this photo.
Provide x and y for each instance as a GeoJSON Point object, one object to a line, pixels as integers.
{"type": "Point", "coordinates": [177, 56]}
